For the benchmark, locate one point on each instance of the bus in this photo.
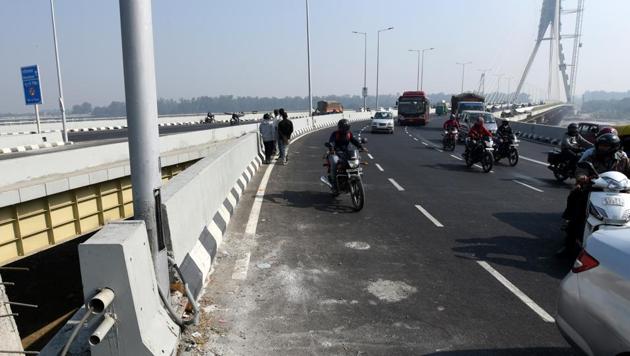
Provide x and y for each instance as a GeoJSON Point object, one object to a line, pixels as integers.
{"type": "Point", "coordinates": [413, 108]}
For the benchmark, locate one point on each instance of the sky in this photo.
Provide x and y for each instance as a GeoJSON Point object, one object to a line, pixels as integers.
{"type": "Point", "coordinates": [258, 48]}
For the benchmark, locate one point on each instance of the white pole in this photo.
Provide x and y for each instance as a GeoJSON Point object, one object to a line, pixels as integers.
{"type": "Point", "coordinates": [422, 67]}
{"type": "Point", "coordinates": [62, 107]}
{"type": "Point", "coordinates": [418, 72]}
{"type": "Point", "coordinates": [39, 130]}
{"type": "Point", "coordinates": [378, 55]}
{"type": "Point", "coordinates": [364, 89]}
{"type": "Point", "coordinates": [141, 101]}
{"type": "Point", "coordinates": [308, 54]}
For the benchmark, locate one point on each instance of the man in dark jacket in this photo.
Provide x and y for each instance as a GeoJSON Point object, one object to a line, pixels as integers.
{"type": "Point", "coordinates": [285, 129]}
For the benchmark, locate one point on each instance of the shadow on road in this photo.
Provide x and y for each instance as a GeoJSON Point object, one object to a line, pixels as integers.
{"type": "Point", "coordinates": [459, 167]}
{"type": "Point", "coordinates": [528, 351]}
{"type": "Point", "coordinates": [322, 201]}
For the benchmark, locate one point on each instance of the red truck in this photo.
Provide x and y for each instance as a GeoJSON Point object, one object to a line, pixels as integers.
{"type": "Point", "coordinates": [413, 108]}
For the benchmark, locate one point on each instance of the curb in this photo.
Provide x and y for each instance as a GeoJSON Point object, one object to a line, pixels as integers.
{"type": "Point", "coordinates": [33, 147]}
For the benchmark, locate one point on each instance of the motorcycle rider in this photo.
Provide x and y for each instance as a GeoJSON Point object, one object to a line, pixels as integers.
{"type": "Point", "coordinates": [573, 144]}
{"type": "Point", "coordinates": [607, 156]}
{"type": "Point", "coordinates": [504, 130]}
{"type": "Point", "coordinates": [451, 123]}
{"type": "Point", "coordinates": [477, 132]}
{"type": "Point", "coordinates": [602, 131]}
{"type": "Point", "coordinates": [339, 141]}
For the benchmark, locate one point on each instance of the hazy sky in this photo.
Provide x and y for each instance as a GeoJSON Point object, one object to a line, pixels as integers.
{"type": "Point", "coordinates": [258, 48]}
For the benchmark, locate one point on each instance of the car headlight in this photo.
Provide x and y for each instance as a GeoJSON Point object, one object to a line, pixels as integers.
{"type": "Point", "coordinates": [353, 163]}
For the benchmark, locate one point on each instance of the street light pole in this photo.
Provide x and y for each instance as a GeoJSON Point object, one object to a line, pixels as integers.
{"type": "Point", "coordinates": [308, 54]}
{"type": "Point", "coordinates": [509, 91]}
{"type": "Point", "coordinates": [498, 94]}
{"type": "Point", "coordinates": [422, 66]}
{"type": "Point", "coordinates": [378, 54]}
{"type": "Point", "coordinates": [418, 75]}
{"type": "Point", "coordinates": [364, 90]}
{"type": "Point", "coordinates": [463, 72]}
{"type": "Point", "coordinates": [62, 106]}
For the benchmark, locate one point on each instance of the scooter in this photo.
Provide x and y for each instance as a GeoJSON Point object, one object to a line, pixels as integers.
{"type": "Point", "coordinates": [608, 203]}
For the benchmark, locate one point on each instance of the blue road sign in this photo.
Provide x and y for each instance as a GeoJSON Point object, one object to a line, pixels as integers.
{"type": "Point", "coordinates": [32, 87]}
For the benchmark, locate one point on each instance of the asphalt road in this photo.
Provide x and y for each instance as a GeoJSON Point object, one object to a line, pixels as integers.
{"type": "Point", "coordinates": [443, 260]}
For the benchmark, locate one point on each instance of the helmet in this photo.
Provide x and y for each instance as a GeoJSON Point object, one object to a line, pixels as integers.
{"type": "Point", "coordinates": [343, 125]}
{"type": "Point", "coordinates": [266, 117]}
{"type": "Point", "coordinates": [607, 130]}
{"type": "Point", "coordinates": [572, 129]}
{"type": "Point", "coordinates": [505, 123]}
{"type": "Point", "coordinates": [607, 144]}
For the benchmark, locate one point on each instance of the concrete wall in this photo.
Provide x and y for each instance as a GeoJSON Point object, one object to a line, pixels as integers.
{"type": "Point", "coordinates": [9, 335]}
{"type": "Point", "coordinates": [30, 139]}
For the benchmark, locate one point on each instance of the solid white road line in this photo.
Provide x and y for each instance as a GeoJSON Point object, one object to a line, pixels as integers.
{"type": "Point", "coordinates": [429, 216]}
{"type": "Point", "coordinates": [396, 185]}
{"type": "Point", "coordinates": [527, 185]}
{"type": "Point", "coordinates": [252, 222]}
{"type": "Point", "coordinates": [371, 157]}
{"type": "Point", "coordinates": [517, 292]}
{"type": "Point", "coordinates": [534, 161]}
{"type": "Point", "coordinates": [379, 167]}
{"type": "Point", "coordinates": [459, 158]}
{"type": "Point", "coordinates": [241, 266]}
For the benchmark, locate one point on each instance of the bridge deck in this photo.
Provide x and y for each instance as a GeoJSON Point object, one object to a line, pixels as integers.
{"type": "Point", "coordinates": [318, 278]}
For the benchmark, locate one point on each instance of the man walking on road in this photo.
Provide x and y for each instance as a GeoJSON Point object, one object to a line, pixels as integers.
{"type": "Point", "coordinates": [268, 133]}
{"type": "Point", "coordinates": [285, 129]}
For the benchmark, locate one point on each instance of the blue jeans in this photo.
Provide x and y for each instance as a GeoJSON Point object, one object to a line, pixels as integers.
{"type": "Point", "coordinates": [283, 148]}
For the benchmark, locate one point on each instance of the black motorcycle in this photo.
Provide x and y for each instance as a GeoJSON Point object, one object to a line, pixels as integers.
{"type": "Point", "coordinates": [479, 151]}
{"type": "Point", "coordinates": [235, 120]}
{"type": "Point", "coordinates": [209, 118]}
{"type": "Point", "coordinates": [506, 147]}
{"type": "Point", "coordinates": [349, 173]}
{"type": "Point", "coordinates": [449, 139]}
{"type": "Point", "coordinates": [561, 165]}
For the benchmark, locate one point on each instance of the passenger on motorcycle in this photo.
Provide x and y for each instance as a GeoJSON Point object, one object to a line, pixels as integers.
{"type": "Point", "coordinates": [339, 141]}
{"type": "Point", "coordinates": [607, 156]}
{"type": "Point", "coordinates": [573, 144]}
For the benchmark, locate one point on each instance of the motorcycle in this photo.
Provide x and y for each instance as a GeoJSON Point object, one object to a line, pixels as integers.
{"type": "Point", "coordinates": [560, 165]}
{"type": "Point", "coordinates": [235, 120]}
{"type": "Point", "coordinates": [450, 139]}
{"type": "Point", "coordinates": [506, 147]}
{"type": "Point", "coordinates": [349, 174]}
{"type": "Point", "coordinates": [209, 119]}
{"type": "Point", "coordinates": [608, 203]}
{"type": "Point", "coordinates": [479, 151]}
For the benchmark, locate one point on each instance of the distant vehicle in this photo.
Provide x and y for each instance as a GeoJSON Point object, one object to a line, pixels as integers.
{"type": "Point", "coordinates": [468, 118]}
{"type": "Point", "coordinates": [467, 102]}
{"type": "Point", "coordinates": [328, 107]}
{"type": "Point", "coordinates": [440, 108]}
{"type": "Point", "coordinates": [383, 121]}
{"type": "Point", "coordinates": [594, 301]}
{"type": "Point", "coordinates": [413, 108]}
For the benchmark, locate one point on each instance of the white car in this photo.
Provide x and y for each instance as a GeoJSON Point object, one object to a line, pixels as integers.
{"type": "Point", "coordinates": [383, 121]}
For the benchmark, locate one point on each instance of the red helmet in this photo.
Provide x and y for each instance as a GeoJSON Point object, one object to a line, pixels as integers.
{"type": "Point", "coordinates": [607, 130]}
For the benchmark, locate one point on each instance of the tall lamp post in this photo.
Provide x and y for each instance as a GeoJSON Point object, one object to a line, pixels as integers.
{"type": "Point", "coordinates": [420, 76]}
{"type": "Point", "coordinates": [62, 106]}
{"type": "Point", "coordinates": [308, 55]}
{"type": "Point", "coordinates": [364, 90]}
{"type": "Point", "coordinates": [378, 55]}
{"type": "Point", "coordinates": [463, 72]}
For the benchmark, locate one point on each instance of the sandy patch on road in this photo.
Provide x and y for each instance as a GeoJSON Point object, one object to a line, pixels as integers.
{"type": "Point", "coordinates": [391, 291]}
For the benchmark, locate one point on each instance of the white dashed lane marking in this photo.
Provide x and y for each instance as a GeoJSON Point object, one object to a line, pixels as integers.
{"type": "Point", "coordinates": [379, 167]}
{"type": "Point", "coordinates": [458, 158]}
{"type": "Point", "coordinates": [371, 157]}
{"type": "Point", "coordinates": [429, 216]}
{"type": "Point", "coordinates": [527, 185]}
{"type": "Point", "coordinates": [415, 139]}
{"type": "Point", "coordinates": [534, 160]}
{"type": "Point", "coordinates": [517, 292]}
{"type": "Point", "coordinates": [396, 185]}
{"type": "Point", "coordinates": [424, 143]}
